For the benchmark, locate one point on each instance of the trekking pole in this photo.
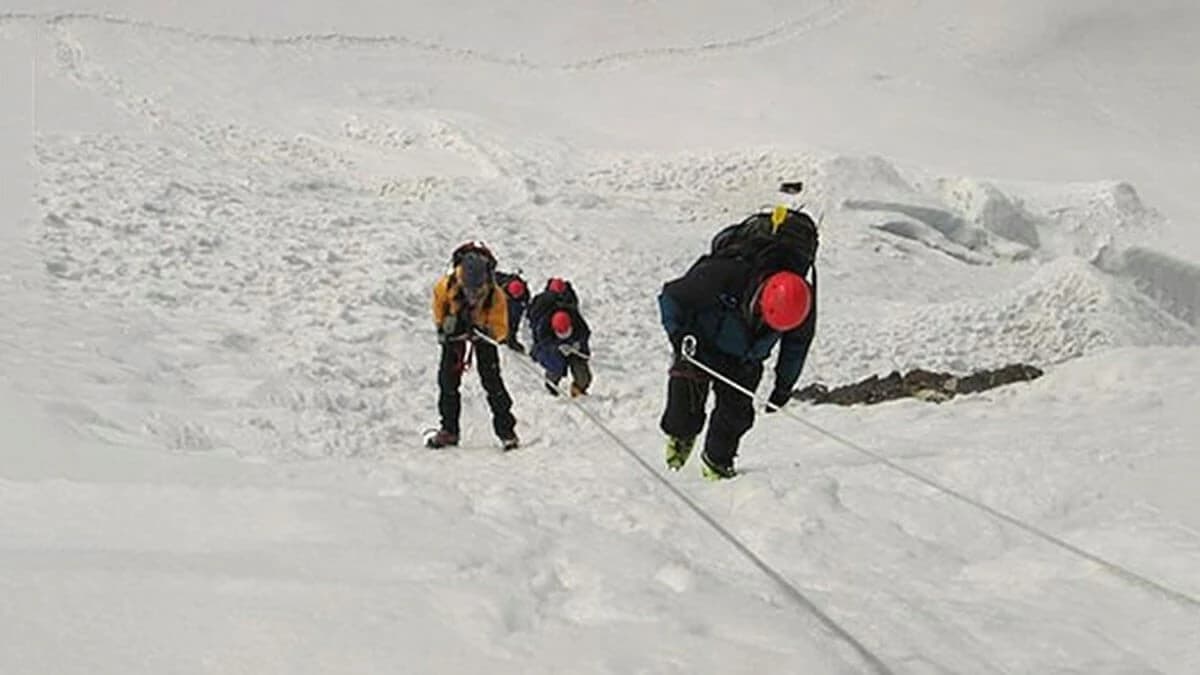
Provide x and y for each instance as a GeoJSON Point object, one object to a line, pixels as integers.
{"type": "Point", "coordinates": [688, 349]}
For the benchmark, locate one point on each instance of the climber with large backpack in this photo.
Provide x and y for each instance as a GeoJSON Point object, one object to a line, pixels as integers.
{"type": "Point", "coordinates": [755, 289]}
{"type": "Point", "coordinates": [561, 336]}
{"type": "Point", "coordinates": [468, 303]}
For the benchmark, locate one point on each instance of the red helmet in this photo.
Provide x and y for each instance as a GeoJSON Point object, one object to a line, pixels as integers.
{"type": "Point", "coordinates": [516, 288]}
{"type": "Point", "coordinates": [784, 301]}
{"type": "Point", "coordinates": [556, 285]}
{"type": "Point", "coordinates": [560, 323]}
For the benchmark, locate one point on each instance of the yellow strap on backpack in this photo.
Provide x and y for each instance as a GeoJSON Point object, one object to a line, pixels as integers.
{"type": "Point", "coordinates": [778, 215]}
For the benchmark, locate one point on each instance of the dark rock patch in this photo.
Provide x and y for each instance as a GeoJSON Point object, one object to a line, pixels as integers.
{"type": "Point", "coordinates": [923, 384]}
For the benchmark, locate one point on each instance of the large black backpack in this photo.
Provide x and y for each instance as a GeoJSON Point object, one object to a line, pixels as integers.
{"type": "Point", "coordinates": [771, 241]}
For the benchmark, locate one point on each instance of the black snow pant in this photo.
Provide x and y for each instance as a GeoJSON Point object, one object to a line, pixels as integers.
{"type": "Point", "coordinates": [733, 415]}
{"type": "Point", "coordinates": [487, 362]}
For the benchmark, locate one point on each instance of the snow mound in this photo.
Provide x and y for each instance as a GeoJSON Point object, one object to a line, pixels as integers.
{"type": "Point", "coordinates": [1173, 283]}
{"type": "Point", "coordinates": [1065, 310]}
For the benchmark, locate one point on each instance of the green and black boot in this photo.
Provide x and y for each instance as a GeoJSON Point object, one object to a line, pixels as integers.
{"type": "Point", "coordinates": [713, 471]}
{"type": "Point", "coordinates": [678, 451]}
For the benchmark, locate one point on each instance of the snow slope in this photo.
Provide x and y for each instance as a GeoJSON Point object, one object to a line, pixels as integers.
{"type": "Point", "coordinates": [217, 356]}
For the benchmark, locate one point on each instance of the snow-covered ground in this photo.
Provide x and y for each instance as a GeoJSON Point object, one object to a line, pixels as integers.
{"type": "Point", "coordinates": [220, 228]}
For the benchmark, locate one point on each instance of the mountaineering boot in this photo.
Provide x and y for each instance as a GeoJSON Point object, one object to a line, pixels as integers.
{"type": "Point", "coordinates": [577, 391]}
{"type": "Point", "coordinates": [678, 451]}
{"type": "Point", "coordinates": [713, 471]}
{"type": "Point", "coordinates": [510, 443]}
{"type": "Point", "coordinates": [441, 439]}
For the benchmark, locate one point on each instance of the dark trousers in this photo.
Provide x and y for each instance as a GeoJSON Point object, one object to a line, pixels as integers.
{"type": "Point", "coordinates": [547, 354]}
{"type": "Point", "coordinates": [732, 416]}
{"type": "Point", "coordinates": [581, 374]}
{"type": "Point", "coordinates": [487, 362]}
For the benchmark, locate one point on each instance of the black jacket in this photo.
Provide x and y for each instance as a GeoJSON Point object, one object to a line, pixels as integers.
{"type": "Point", "coordinates": [712, 302]}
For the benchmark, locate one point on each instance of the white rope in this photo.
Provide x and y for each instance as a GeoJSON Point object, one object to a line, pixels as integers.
{"type": "Point", "coordinates": [786, 586]}
{"type": "Point", "coordinates": [689, 351]}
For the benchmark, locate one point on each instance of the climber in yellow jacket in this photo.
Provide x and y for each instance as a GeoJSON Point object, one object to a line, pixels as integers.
{"type": "Point", "coordinates": [466, 300]}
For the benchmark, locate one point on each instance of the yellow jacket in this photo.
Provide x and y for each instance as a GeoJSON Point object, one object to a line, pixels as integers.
{"type": "Point", "coordinates": [491, 315]}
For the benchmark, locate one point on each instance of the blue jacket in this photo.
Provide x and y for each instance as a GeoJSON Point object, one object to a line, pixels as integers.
{"type": "Point", "coordinates": [712, 302]}
{"type": "Point", "coordinates": [548, 349]}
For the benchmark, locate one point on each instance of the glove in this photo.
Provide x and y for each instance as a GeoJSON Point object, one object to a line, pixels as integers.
{"type": "Point", "coordinates": [453, 330]}
{"type": "Point", "coordinates": [778, 399]}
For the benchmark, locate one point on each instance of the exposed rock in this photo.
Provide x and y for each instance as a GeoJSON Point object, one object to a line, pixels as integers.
{"type": "Point", "coordinates": [922, 384]}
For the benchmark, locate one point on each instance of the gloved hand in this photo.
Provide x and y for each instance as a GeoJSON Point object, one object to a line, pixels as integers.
{"type": "Point", "coordinates": [453, 329]}
{"type": "Point", "coordinates": [778, 399]}
{"type": "Point", "coordinates": [568, 348]}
